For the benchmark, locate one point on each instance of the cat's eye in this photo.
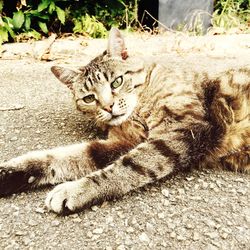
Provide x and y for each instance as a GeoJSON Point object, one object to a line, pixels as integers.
{"type": "Point", "coordinates": [117, 82]}
{"type": "Point", "coordinates": [89, 98]}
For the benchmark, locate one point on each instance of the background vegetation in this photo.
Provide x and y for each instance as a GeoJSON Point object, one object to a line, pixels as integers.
{"type": "Point", "coordinates": [231, 14]}
{"type": "Point", "coordinates": [25, 19]}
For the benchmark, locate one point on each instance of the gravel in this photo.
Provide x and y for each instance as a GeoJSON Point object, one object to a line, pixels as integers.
{"type": "Point", "coordinates": [204, 209]}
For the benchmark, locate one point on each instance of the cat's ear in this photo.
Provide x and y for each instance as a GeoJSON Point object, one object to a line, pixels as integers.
{"type": "Point", "coordinates": [116, 44]}
{"type": "Point", "coordinates": [65, 75]}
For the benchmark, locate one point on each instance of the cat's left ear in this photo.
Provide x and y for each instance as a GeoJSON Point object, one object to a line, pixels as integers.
{"type": "Point", "coordinates": [116, 44]}
{"type": "Point", "coordinates": [66, 76]}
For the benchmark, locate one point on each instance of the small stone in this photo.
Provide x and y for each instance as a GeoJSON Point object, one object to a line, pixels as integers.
{"type": "Point", "coordinates": [121, 215]}
{"type": "Point", "coordinates": [164, 244]}
{"type": "Point", "coordinates": [210, 223]}
{"type": "Point", "coordinates": [55, 223]}
{"type": "Point", "coordinates": [26, 241]}
{"type": "Point", "coordinates": [108, 248]}
{"type": "Point", "coordinates": [40, 210]}
{"type": "Point", "coordinates": [205, 185]}
{"type": "Point", "coordinates": [161, 215]}
{"type": "Point", "coordinates": [128, 242]}
{"type": "Point", "coordinates": [144, 238]}
{"type": "Point", "coordinates": [14, 138]}
{"type": "Point", "coordinates": [77, 219]}
{"type": "Point", "coordinates": [173, 235]}
{"type": "Point", "coordinates": [32, 223]}
{"type": "Point", "coordinates": [181, 238]}
{"type": "Point", "coordinates": [89, 235]}
{"type": "Point", "coordinates": [16, 213]}
{"type": "Point", "coordinates": [20, 233]}
{"type": "Point", "coordinates": [212, 185]}
{"type": "Point", "coordinates": [239, 180]}
{"type": "Point", "coordinates": [134, 221]}
{"type": "Point", "coordinates": [149, 227]}
{"type": "Point", "coordinates": [74, 216]}
{"type": "Point", "coordinates": [130, 230]}
{"type": "Point", "coordinates": [98, 231]}
{"type": "Point", "coordinates": [224, 235]}
{"type": "Point", "coordinates": [109, 219]}
{"type": "Point", "coordinates": [165, 192]}
{"type": "Point", "coordinates": [212, 235]}
{"type": "Point", "coordinates": [181, 191]}
{"type": "Point", "coordinates": [166, 203]}
{"type": "Point", "coordinates": [121, 247]}
{"type": "Point", "coordinates": [196, 236]}
{"type": "Point", "coordinates": [247, 218]}
{"type": "Point", "coordinates": [242, 191]}
{"type": "Point", "coordinates": [190, 178]}
{"type": "Point", "coordinates": [189, 226]}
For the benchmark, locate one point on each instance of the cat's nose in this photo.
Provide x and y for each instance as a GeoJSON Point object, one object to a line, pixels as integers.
{"type": "Point", "coordinates": [108, 108]}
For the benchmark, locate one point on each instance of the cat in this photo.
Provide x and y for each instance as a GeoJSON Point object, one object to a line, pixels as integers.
{"type": "Point", "coordinates": [159, 121]}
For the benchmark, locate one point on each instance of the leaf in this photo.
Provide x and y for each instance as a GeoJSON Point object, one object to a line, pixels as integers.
{"type": "Point", "coordinates": [8, 21]}
{"type": "Point", "coordinates": [1, 5]}
{"type": "Point", "coordinates": [27, 23]}
{"type": "Point", "coordinates": [3, 35]}
{"type": "Point", "coordinates": [35, 34]}
{"type": "Point", "coordinates": [43, 27]}
{"type": "Point", "coordinates": [38, 14]}
{"type": "Point", "coordinates": [43, 5]}
{"type": "Point", "coordinates": [18, 19]}
{"type": "Point", "coordinates": [52, 7]}
{"type": "Point", "coordinates": [60, 14]}
{"type": "Point", "coordinates": [11, 32]}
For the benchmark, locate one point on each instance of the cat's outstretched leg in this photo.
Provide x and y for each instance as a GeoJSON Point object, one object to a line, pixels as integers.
{"type": "Point", "coordinates": [38, 168]}
{"type": "Point", "coordinates": [146, 163]}
{"type": "Point", "coordinates": [57, 165]}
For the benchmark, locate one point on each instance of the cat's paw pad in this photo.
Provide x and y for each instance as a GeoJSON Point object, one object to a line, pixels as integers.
{"type": "Point", "coordinates": [65, 198]}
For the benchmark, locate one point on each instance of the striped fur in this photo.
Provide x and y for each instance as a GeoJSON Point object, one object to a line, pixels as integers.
{"type": "Point", "coordinates": [159, 121]}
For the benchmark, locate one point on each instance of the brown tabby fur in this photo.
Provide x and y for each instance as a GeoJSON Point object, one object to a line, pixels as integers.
{"type": "Point", "coordinates": [181, 119]}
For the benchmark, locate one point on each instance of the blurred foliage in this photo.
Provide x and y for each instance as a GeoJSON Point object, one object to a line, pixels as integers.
{"type": "Point", "coordinates": [230, 14]}
{"type": "Point", "coordinates": [25, 19]}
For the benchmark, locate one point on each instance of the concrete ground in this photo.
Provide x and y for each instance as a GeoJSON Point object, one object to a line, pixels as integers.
{"type": "Point", "coordinates": [199, 210]}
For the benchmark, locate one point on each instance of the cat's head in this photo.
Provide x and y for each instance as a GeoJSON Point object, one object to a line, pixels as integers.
{"type": "Point", "coordinates": [107, 86]}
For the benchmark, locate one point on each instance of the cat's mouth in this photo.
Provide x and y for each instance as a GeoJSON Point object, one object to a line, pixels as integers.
{"type": "Point", "coordinates": [116, 116]}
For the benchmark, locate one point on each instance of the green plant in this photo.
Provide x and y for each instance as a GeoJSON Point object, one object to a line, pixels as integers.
{"type": "Point", "coordinates": [30, 20]}
{"type": "Point", "coordinates": [89, 25]}
{"type": "Point", "coordinates": [25, 19]}
{"type": "Point", "coordinates": [231, 13]}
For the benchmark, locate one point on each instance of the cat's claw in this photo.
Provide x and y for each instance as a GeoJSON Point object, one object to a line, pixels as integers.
{"type": "Point", "coordinates": [69, 197]}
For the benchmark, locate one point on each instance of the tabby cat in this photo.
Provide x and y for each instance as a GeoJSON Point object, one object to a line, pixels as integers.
{"type": "Point", "coordinates": [158, 121]}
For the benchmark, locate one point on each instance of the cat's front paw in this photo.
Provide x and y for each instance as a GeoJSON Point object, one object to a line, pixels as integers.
{"type": "Point", "coordinates": [71, 196]}
{"type": "Point", "coordinates": [11, 180]}
{"type": "Point", "coordinates": [14, 179]}
{"type": "Point", "coordinates": [23, 172]}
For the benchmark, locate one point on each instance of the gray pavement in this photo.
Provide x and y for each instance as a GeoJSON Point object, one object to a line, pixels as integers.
{"type": "Point", "coordinates": [204, 209]}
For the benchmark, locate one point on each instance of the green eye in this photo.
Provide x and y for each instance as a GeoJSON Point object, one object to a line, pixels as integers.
{"type": "Point", "coordinates": [89, 98]}
{"type": "Point", "coordinates": [117, 82]}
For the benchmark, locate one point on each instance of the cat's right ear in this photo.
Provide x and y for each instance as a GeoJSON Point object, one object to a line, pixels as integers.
{"type": "Point", "coordinates": [65, 75]}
